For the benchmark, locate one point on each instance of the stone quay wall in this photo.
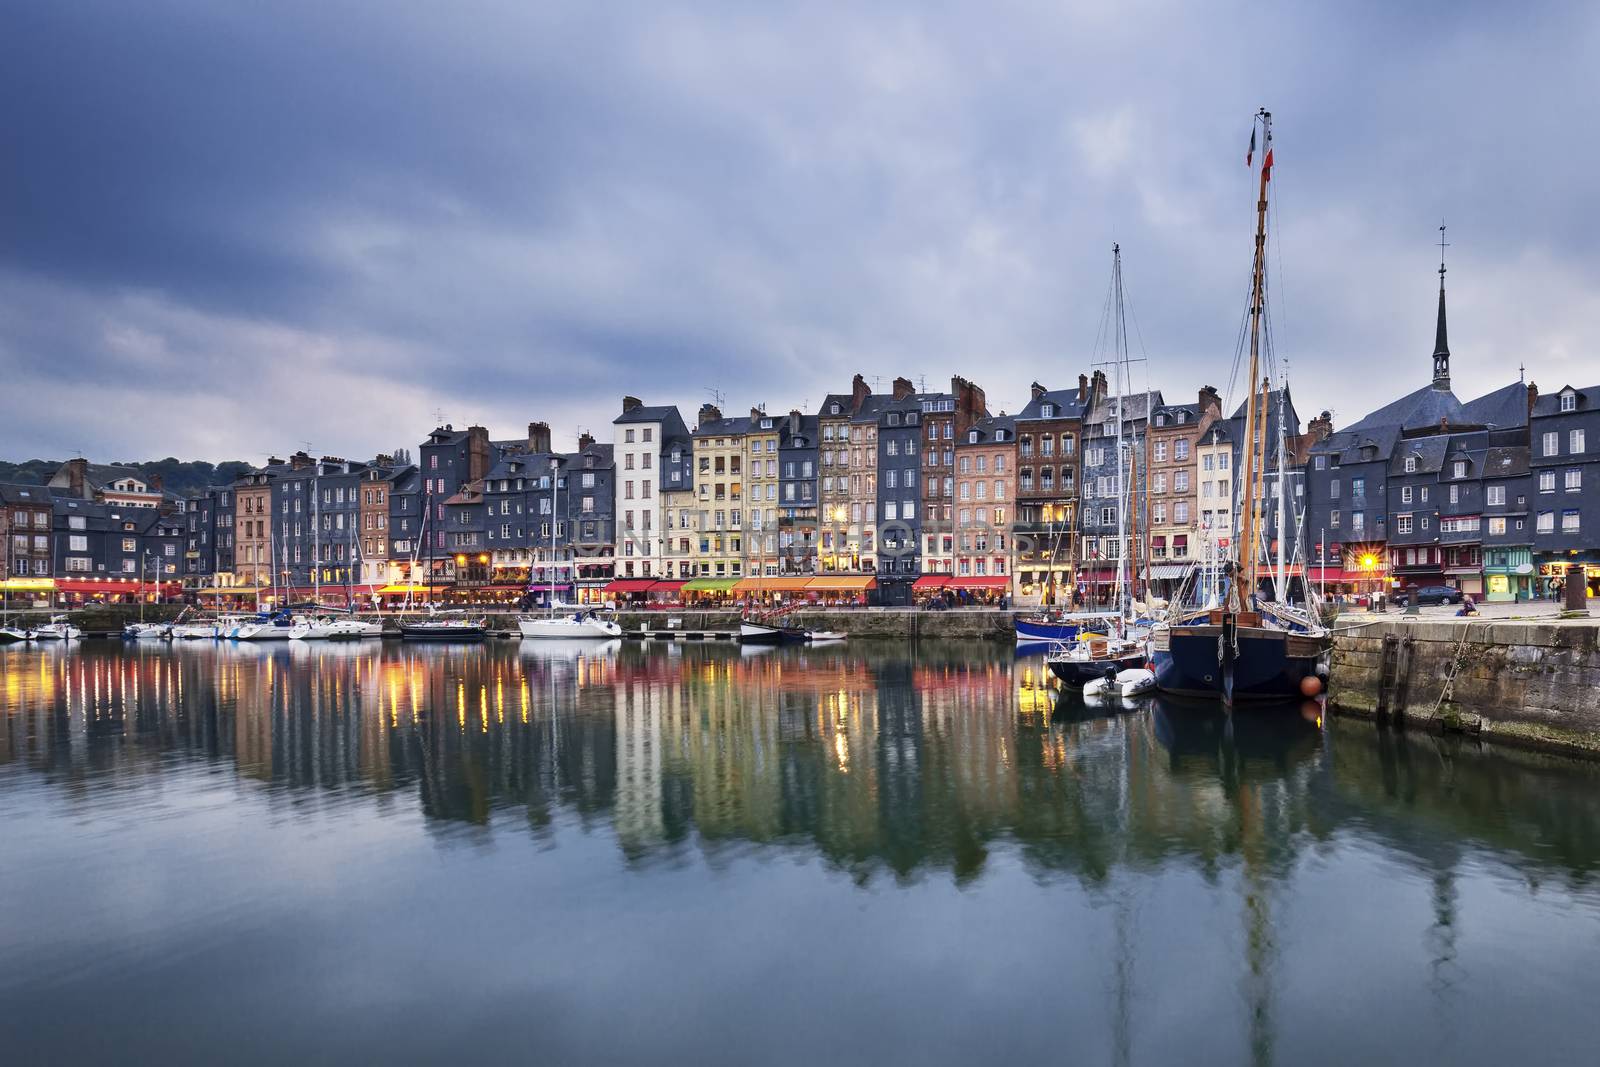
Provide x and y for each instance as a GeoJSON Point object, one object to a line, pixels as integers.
{"type": "Point", "coordinates": [1529, 683]}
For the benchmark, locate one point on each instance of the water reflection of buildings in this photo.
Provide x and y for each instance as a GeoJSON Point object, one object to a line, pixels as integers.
{"type": "Point", "coordinates": [867, 757]}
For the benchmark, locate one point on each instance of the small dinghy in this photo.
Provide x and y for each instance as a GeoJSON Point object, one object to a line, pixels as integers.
{"type": "Point", "coordinates": [1122, 684]}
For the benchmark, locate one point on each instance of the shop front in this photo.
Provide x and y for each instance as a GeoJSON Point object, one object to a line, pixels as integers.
{"type": "Point", "coordinates": [1556, 570]}
{"type": "Point", "coordinates": [979, 590]}
{"type": "Point", "coordinates": [841, 590]}
{"type": "Point", "coordinates": [773, 591]}
{"type": "Point", "coordinates": [629, 592]}
{"type": "Point", "coordinates": [709, 592]}
{"type": "Point", "coordinates": [75, 592]}
{"type": "Point", "coordinates": [1508, 575]}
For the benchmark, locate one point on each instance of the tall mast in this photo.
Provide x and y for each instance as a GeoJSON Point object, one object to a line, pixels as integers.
{"type": "Point", "coordinates": [1257, 299]}
{"type": "Point", "coordinates": [1280, 579]}
{"type": "Point", "coordinates": [316, 539]}
{"type": "Point", "coordinates": [1119, 344]}
{"type": "Point", "coordinates": [553, 483]}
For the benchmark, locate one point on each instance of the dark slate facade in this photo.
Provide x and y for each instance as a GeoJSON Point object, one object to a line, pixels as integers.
{"type": "Point", "coordinates": [1564, 462]}
{"type": "Point", "coordinates": [899, 498]}
{"type": "Point", "coordinates": [316, 506]}
{"type": "Point", "coordinates": [798, 495]}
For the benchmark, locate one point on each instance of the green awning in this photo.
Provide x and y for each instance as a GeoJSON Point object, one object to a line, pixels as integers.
{"type": "Point", "coordinates": [710, 585]}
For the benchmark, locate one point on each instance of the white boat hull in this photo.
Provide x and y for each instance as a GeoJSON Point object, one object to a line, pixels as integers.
{"type": "Point", "coordinates": [263, 631]}
{"type": "Point", "coordinates": [558, 628]}
{"type": "Point", "coordinates": [194, 631]}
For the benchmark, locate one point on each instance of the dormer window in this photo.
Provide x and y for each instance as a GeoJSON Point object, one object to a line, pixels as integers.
{"type": "Point", "coordinates": [1161, 420]}
{"type": "Point", "coordinates": [833, 409]}
{"type": "Point", "coordinates": [972, 437]}
{"type": "Point", "coordinates": [1047, 411]}
{"type": "Point", "coordinates": [999, 435]}
{"type": "Point", "coordinates": [1459, 470]}
{"type": "Point", "coordinates": [1569, 401]}
{"type": "Point", "coordinates": [1411, 464]}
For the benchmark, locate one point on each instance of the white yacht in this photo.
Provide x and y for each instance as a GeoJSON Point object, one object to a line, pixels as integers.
{"type": "Point", "coordinates": [59, 628]}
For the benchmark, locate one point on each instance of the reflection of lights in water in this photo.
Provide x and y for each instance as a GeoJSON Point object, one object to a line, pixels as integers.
{"type": "Point", "coordinates": [841, 751]}
{"type": "Point", "coordinates": [483, 708]}
{"type": "Point", "coordinates": [499, 699]}
{"type": "Point", "coordinates": [524, 701]}
{"type": "Point", "coordinates": [461, 705]}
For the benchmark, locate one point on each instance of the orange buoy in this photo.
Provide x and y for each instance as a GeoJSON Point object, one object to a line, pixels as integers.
{"type": "Point", "coordinates": [1310, 685]}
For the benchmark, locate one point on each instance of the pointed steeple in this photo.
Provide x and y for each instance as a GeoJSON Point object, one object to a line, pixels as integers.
{"type": "Point", "coordinates": [1441, 341]}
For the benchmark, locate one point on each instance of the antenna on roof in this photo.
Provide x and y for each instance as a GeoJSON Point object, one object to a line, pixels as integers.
{"type": "Point", "coordinates": [438, 416]}
{"type": "Point", "coordinates": [717, 396]}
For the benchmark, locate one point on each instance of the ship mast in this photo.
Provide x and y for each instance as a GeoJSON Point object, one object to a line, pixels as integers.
{"type": "Point", "coordinates": [1257, 299]}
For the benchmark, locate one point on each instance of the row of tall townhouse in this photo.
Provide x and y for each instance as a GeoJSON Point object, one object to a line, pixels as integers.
{"type": "Point", "coordinates": [914, 490]}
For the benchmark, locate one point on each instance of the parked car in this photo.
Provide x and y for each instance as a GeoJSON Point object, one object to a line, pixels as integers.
{"type": "Point", "coordinates": [1430, 594]}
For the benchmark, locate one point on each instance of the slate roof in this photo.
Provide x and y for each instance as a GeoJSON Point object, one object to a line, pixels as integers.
{"type": "Point", "coordinates": [1505, 407]}
{"type": "Point", "coordinates": [1417, 409]}
{"type": "Point", "coordinates": [1430, 453]}
{"type": "Point", "coordinates": [1502, 462]}
{"type": "Point", "coordinates": [734, 427]}
{"type": "Point", "coordinates": [1133, 407]}
{"type": "Point", "coordinates": [844, 400]}
{"type": "Point", "coordinates": [13, 493]}
{"type": "Point", "coordinates": [1068, 406]}
{"type": "Point", "coordinates": [648, 413]}
{"type": "Point", "coordinates": [1550, 403]}
{"type": "Point", "coordinates": [870, 406]}
{"type": "Point", "coordinates": [988, 425]}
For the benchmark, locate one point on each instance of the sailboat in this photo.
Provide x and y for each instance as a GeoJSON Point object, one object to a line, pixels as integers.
{"type": "Point", "coordinates": [1095, 657]}
{"type": "Point", "coordinates": [10, 634]}
{"type": "Point", "coordinates": [1246, 648]}
{"type": "Point", "coordinates": [585, 625]}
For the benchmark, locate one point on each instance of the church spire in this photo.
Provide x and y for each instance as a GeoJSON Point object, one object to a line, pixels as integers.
{"type": "Point", "coordinates": [1441, 342]}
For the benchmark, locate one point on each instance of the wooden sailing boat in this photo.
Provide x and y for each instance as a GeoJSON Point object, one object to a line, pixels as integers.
{"type": "Point", "coordinates": [1246, 648]}
{"type": "Point", "coordinates": [1095, 658]}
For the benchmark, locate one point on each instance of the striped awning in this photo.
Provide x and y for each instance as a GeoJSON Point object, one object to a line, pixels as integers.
{"type": "Point", "coordinates": [630, 585]}
{"type": "Point", "coordinates": [842, 583]}
{"type": "Point", "coordinates": [980, 581]}
{"type": "Point", "coordinates": [710, 585]}
{"type": "Point", "coordinates": [773, 584]}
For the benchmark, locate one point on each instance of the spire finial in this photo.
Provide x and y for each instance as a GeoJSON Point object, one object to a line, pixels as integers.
{"type": "Point", "coordinates": [1441, 343]}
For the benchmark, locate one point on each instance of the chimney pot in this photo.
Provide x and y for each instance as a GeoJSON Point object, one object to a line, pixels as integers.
{"type": "Point", "coordinates": [631, 403]}
{"type": "Point", "coordinates": [1036, 390]}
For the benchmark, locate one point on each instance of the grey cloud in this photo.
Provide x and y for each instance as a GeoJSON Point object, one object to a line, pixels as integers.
{"type": "Point", "coordinates": [328, 219]}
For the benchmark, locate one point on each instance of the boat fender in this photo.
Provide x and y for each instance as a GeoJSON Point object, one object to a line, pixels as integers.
{"type": "Point", "coordinates": [1310, 685]}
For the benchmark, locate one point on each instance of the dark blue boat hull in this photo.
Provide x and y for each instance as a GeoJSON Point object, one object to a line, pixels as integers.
{"type": "Point", "coordinates": [1270, 665]}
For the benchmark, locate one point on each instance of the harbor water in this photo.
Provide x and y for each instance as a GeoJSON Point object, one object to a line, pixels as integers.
{"type": "Point", "coordinates": [697, 853]}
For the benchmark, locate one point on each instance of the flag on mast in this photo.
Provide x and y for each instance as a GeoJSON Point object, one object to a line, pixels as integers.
{"type": "Point", "coordinates": [1266, 161]}
{"type": "Point", "coordinates": [1250, 153]}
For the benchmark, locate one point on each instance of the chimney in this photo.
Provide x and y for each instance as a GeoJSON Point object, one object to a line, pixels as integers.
{"type": "Point", "coordinates": [709, 413]}
{"type": "Point", "coordinates": [631, 403]}
{"type": "Point", "coordinates": [477, 453]}
{"type": "Point", "coordinates": [383, 459]}
{"type": "Point", "coordinates": [1321, 427]}
{"type": "Point", "coordinates": [1083, 389]}
{"type": "Point", "coordinates": [1533, 396]}
{"type": "Point", "coordinates": [299, 461]}
{"type": "Point", "coordinates": [77, 472]}
{"type": "Point", "coordinates": [585, 441]}
{"type": "Point", "coordinates": [1210, 399]}
{"type": "Point", "coordinates": [859, 391]}
{"type": "Point", "coordinates": [794, 421]}
{"type": "Point", "coordinates": [971, 405]}
{"type": "Point", "coordinates": [538, 437]}
{"type": "Point", "coordinates": [157, 483]}
{"type": "Point", "coordinates": [903, 388]}
{"type": "Point", "coordinates": [1097, 387]}
{"type": "Point", "coordinates": [274, 461]}
{"type": "Point", "coordinates": [756, 414]}
{"type": "Point", "coordinates": [1036, 390]}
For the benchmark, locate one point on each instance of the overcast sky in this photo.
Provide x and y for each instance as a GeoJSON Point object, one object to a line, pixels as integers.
{"type": "Point", "coordinates": [230, 229]}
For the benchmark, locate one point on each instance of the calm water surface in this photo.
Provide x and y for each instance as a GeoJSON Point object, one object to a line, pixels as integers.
{"type": "Point", "coordinates": [392, 854]}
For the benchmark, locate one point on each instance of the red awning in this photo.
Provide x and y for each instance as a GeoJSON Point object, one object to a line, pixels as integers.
{"type": "Point", "coordinates": [630, 585]}
{"type": "Point", "coordinates": [669, 586]}
{"type": "Point", "coordinates": [1332, 574]}
{"type": "Point", "coordinates": [111, 586]}
{"type": "Point", "coordinates": [981, 581]}
{"type": "Point", "coordinates": [931, 581]}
